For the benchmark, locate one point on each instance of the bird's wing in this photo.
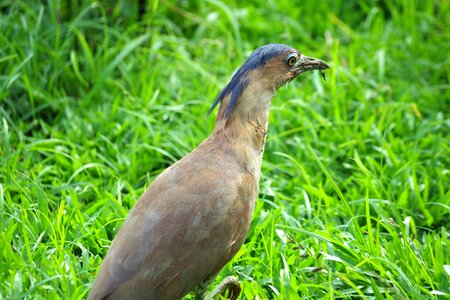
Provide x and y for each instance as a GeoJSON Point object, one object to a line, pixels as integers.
{"type": "Point", "coordinates": [163, 229]}
{"type": "Point", "coordinates": [137, 238]}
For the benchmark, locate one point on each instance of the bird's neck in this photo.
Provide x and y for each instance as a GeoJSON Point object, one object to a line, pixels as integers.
{"type": "Point", "coordinates": [244, 131]}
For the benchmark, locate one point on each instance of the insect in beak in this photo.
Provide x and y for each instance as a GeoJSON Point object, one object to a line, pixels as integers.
{"type": "Point", "coordinates": [323, 74]}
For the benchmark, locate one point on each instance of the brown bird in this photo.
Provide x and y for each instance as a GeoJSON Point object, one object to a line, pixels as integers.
{"type": "Point", "coordinates": [195, 215]}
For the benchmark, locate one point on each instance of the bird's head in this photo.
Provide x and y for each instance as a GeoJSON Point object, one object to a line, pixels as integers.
{"type": "Point", "coordinates": [266, 69]}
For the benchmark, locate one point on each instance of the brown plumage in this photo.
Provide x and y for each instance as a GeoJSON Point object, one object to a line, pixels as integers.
{"type": "Point", "coordinates": [195, 216]}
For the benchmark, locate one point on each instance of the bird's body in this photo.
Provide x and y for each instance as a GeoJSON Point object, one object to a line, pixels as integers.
{"type": "Point", "coordinates": [203, 203]}
{"type": "Point", "coordinates": [195, 216]}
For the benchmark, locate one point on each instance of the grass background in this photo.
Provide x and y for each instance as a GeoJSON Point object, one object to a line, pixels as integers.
{"type": "Point", "coordinates": [97, 98]}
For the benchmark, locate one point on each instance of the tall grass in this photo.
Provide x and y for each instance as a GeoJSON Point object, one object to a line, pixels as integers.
{"type": "Point", "coordinates": [97, 98]}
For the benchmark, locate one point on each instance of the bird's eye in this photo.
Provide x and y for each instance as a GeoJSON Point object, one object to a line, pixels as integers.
{"type": "Point", "coordinates": [291, 59]}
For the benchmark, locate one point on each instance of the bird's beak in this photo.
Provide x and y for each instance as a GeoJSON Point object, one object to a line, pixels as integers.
{"type": "Point", "coordinates": [306, 63]}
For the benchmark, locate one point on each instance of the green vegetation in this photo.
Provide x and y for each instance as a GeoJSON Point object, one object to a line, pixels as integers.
{"type": "Point", "coordinates": [96, 99]}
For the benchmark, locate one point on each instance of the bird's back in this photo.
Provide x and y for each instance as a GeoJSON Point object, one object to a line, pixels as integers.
{"type": "Point", "coordinates": [204, 201]}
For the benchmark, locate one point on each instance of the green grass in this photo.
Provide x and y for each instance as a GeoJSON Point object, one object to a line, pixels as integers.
{"type": "Point", "coordinates": [96, 100]}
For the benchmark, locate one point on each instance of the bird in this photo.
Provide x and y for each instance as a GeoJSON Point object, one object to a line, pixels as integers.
{"type": "Point", "coordinates": [194, 217]}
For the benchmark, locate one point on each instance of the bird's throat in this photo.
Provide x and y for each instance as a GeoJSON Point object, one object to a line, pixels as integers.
{"type": "Point", "coordinates": [248, 122]}
{"type": "Point", "coordinates": [244, 131]}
